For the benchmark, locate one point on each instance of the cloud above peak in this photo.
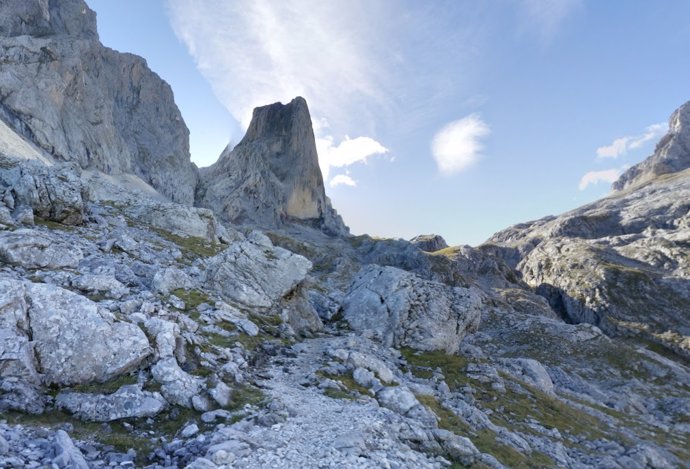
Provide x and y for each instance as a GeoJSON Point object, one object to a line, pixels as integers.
{"type": "Point", "coordinates": [595, 177]}
{"type": "Point", "coordinates": [255, 52]}
{"type": "Point", "coordinates": [458, 145]}
{"type": "Point", "coordinates": [622, 145]}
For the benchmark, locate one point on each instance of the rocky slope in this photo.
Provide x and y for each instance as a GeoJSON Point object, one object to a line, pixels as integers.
{"type": "Point", "coordinates": [139, 332]}
{"type": "Point", "coordinates": [78, 101]}
{"type": "Point", "coordinates": [272, 176]}
{"type": "Point", "coordinates": [621, 263]}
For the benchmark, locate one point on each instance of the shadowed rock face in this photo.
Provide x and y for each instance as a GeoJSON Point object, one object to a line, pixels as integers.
{"type": "Point", "coordinates": [272, 176]}
{"type": "Point", "coordinates": [672, 153]}
{"type": "Point", "coordinates": [78, 101]}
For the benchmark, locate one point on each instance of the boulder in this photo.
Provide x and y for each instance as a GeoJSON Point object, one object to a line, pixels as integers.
{"type": "Point", "coordinates": [129, 401]}
{"type": "Point", "coordinates": [102, 284]}
{"type": "Point", "coordinates": [54, 193]}
{"type": "Point", "coordinates": [66, 454]}
{"type": "Point", "coordinates": [177, 386]}
{"type": "Point", "coordinates": [19, 380]}
{"type": "Point", "coordinates": [429, 243]}
{"type": "Point", "coordinates": [33, 249]}
{"type": "Point", "coordinates": [407, 311]}
{"type": "Point", "coordinates": [77, 342]}
{"type": "Point", "coordinates": [171, 278]}
{"type": "Point", "coordinates": [178, 219]}
{"type": "Point", "coordinates": [254, 273]}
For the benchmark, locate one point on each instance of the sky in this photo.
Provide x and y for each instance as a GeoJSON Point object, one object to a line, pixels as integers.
{"type": "Point", "coordinates": [453, 117]}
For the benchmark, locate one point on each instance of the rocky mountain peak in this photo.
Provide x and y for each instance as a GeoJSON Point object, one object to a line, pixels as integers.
{"type": "Point", "coordinates": [289, 121]}
{"type": "Point", "coordinates": [41, 18]}
{"type": "Point", "coordinates": [672, 153]}
{"type": "Point", "coordinates": [272, 176]}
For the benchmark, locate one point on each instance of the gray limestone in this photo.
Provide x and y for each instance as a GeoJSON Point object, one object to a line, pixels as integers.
{"type": "Point", "coordinates": [36, 250]}
{"type": "Point", "coordinates": [79, 101]}
{"type": "Point", "coordinates": [429, 243]}
{"type": "Point", "coordinates": [127, 402]}
{"type": "Point", "coordinates": [77, 342]}
{"type": "Point", "coordinates": [407, 311]}
{"type": "Point", "coordinates": [255, 273]}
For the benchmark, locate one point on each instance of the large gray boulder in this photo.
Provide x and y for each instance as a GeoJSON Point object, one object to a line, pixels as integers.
{"type": "Point", "coordinates": [19, 380]}
{"type": "Point", "coordinates": [32, 249]}
{"type": "Point", "coordinates": [254, 273]}
{"type": "Point", "coordinates": [54, 193]}
{"type": "Point", "coordinates": [272, 176]}
{"type": "Point", "coordinates": [177, 386]}
{"type": "Point", "coordinates": [79, 101]}
{"type": "Point", "coordinates": [127, 402]}
{"type": "Point", "coordinates": [430, 242]}
{"type": "Point", "coordinates": [672, 153]}
{"type": "Point", "coordinates": [77, 342]}
{"type": "Point", "coordinates": [407, 311]}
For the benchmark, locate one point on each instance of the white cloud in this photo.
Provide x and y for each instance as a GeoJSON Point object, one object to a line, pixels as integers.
{"type": "Point", "coordinates": [457, 145]}
{"type": "Point", "coordinates": [622, 145]}
{"type": "Point", "coordinates": [545, 17]}
{"type": "Point", "coordinates": [342, 180]}
{"type": "Point", "coordinates": [348, 152]}
{"type": "Point", "coordinates": [595, 177]}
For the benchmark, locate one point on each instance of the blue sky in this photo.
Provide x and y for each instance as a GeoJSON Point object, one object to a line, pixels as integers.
{"type": "Point", "coordinates": [454, 117]}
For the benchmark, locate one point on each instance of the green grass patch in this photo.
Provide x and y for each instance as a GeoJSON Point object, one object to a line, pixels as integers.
{"type": "Point", "coordinates": [485, 440]}
{"type": "Point", "coordinates": [107, 387]}
{"type": "Point", "coordinates": [53, 225]}
{"type": "Point", "coordinates": [192, 299]}
{"type": "Point", "coordinates": [192, 247]}
{"type": "Point", "coordinates": [348, 381]}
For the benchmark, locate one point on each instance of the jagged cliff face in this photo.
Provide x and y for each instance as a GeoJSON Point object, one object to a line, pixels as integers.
{"type": "Point", "coordinates": [672, 153]}
{"type": "Point", "coordinates": [272, 176]}
{"type": "Point", "coordinates": [79, 101]}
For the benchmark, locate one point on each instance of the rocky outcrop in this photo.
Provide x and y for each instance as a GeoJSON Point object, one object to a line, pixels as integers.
{"type": "Point", "coordinates": [429, 243]}
{"type": "Point", "coordinates": [254, 273]}
{"type": "Point", "coordinates": [672, 153]}
{"type": "Point", "coordinates": [407, 311]}
{"type": "Point", "coordinates": [78, 101]}
{"type": "Point", "coordinates": [127, 402]}
{"type": "Point", "coordinates": [53, 193]}
{"type": "Point", "coordinates": [272, 176]}
{"type": "Point", "coordinates": [76, 342]}
{"type": "Point", "coordinates": [35, 250]}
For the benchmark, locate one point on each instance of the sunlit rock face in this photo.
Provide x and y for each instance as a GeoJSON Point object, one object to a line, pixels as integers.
{"type": "Point", "coordinates": [272, 176]}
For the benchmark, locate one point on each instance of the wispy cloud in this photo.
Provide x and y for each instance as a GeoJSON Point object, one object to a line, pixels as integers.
{"type": "Point", "coordinates": [342, 180]}
{"type": "Point", "coordinates": [545, 17]}
{"type": "Point", "coordinates": [595, 177]}
{"type": "Point", "coordinates": [622, 145]}
{"type": "Point", "coordinates": [255, 52]}
{"type": "Point", "coordinates": [458, 144]}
